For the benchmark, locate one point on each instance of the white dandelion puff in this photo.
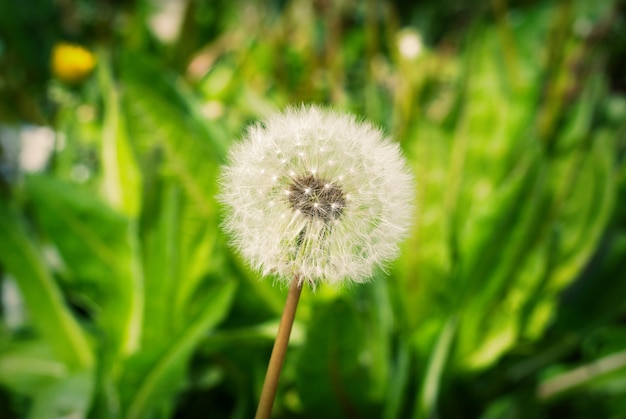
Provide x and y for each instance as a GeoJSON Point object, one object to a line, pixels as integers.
{"type": "Point", "coordinates": [318, 196]}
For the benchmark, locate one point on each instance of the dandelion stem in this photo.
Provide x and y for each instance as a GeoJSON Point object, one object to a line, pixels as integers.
{"type": "Point", "coordinates": [270, 385]}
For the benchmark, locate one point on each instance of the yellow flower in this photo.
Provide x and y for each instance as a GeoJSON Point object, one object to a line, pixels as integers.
{"type": "Point", "coordinates": [71, 63]}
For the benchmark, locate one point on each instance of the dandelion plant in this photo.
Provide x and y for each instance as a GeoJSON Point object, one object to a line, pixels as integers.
{"type": "Point", "coordinates": [314, 196]}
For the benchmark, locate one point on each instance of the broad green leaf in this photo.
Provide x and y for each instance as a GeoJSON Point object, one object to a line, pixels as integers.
{"type": "Point", "coordinates": [163, 119]}
{"type": "Point", "coordinates": [121, 179]}
{"type": "Point", "coordinates": [154, 376]}
{"type": "Point", "coordinates": [28, 366]}
{"type": "Point", "coordinates": [423, 271]}
{"type": "Point", "coordinates": [588, 207]}
{"type": "Point", "coordinates": [68, 397]}
{"type": "Point", "coordinates": [376, 310]}
{"type": "Point", "coordinates": [588, 303]}
{"type": "Point", "coordinates": [100, 249]}
{"type": "Point", "coordinates": [334, 374]}
{"type": "Point", "coordinates": [201, 252]}
{"type": "Point", "coordinates": [163, 270]}
{"type": "Point", "coordinates": [44, 301]}
{"type": "Point", "coordinates": [153, 105]}
{"type": "Point", "coordinates": [180, 251]}
{"type": "Point", "coordinates": [489, 232]}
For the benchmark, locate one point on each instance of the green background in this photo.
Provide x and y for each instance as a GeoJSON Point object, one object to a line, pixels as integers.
{"type": "Point", "coordinates": [122, 299]}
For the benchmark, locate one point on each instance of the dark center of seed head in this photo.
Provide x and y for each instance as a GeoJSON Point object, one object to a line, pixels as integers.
{"type": "Point", "coordinates": [315, 197]}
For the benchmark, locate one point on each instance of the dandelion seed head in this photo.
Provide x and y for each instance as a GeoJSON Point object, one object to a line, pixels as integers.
{"type": "Point", "coordinates": [316, 218]}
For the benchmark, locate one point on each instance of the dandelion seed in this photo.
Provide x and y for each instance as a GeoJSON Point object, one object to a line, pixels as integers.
{"type": "Point", "coordinates": [320, 220]}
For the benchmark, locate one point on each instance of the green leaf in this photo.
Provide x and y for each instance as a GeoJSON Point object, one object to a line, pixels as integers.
{"type": "Point", "coordinates": [155, 375]}
{"type": "Point", "coordinates": [588, 206]}
{"type": "Point", "coordinates": [159, 116]}
{"type": "Point", "coordinates": [45, 303]}
{"type": "Point", "coordinates": [28, 366]}
{"type": "Point", "coordinates": [164, 121]}
{"type": "Point", "coordinates": [100, 250]}
{"type": "Point", "coordinates": [121, 178]}
{"type": "Point", "coordinates": [398, 381]}
{"type": "Point", "coordinates": [429, 393]}
{"type": "Point", "coordinates": [68, 397]}
{"type": "Point", "coordinates": [335, 376]}
{"type": "Point", "coordinates": [163, 270]}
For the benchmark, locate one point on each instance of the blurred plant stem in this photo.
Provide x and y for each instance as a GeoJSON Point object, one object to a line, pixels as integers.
{"type": "Point", "coordinates": [556, 87]}
{"type": "Point", "coordinates": [509, 47]}
{"type": "Point", "coordinates": [333, 57]}
{"type": "Point", "coordinates": [270, 385]}
{"type": "Point", "coordinates": [584, 375]}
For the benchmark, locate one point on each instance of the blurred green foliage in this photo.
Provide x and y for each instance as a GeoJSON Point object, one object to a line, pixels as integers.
{"type": "Point", "coordinates": [121, 298]}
